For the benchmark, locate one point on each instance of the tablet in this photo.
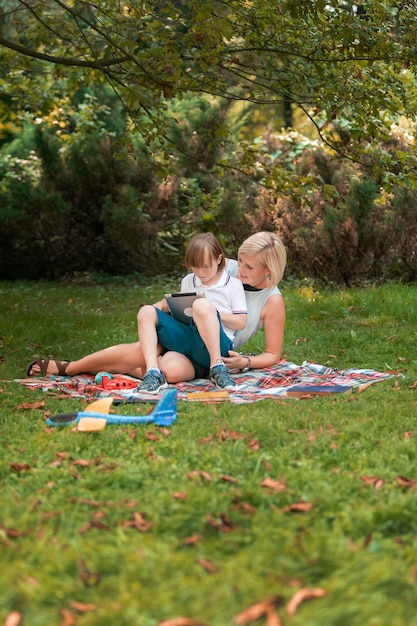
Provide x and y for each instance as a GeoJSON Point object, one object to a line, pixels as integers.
{"type": "Point", "coordinates": [180, 305]}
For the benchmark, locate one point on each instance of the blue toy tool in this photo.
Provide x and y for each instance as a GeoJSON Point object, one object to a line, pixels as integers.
{"type": "Point", "coordinates": [96, 416]}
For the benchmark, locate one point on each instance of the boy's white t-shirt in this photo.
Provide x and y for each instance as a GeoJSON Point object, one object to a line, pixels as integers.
{"type": "Point", "coordinates": [227, 295]}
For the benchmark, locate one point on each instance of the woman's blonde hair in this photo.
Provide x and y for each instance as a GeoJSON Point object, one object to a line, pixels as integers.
{"type": "Point", "coordinates": [197, 248]}
{"type": "Point", "coordinates": [271, 251]}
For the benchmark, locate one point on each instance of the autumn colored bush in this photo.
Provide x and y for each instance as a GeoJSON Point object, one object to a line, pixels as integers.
{"type": "Point", "coordinates": [346, 229]}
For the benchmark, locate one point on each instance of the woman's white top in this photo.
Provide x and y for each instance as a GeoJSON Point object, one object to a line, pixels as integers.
{"type": "Point", "coordinates": [255, 301]}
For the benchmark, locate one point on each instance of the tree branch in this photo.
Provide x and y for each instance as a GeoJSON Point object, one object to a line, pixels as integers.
{"type": "Point", "coordinates": [34, 54]}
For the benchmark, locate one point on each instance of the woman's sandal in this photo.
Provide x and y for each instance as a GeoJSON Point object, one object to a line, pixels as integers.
{"type": "Point", "coordinates": [43, 367]}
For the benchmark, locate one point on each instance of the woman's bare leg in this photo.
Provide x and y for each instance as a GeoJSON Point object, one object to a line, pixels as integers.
{"type": "Point", "coordinates": [176, 367]}
{"type": "Point", "coordinates": [124, 358]}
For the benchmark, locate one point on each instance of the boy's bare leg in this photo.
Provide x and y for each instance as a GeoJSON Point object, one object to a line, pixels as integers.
{"type": "Point", "coordinates": [208, 325]}
{"type": "Point", "coordinates": [147, 322]}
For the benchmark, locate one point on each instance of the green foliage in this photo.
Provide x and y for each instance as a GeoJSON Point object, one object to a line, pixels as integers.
{"type": "Point", "coordinates": [69, 545]}
{"type": "Point", "coordinates": [350, 69]}
{"type": "Point", "coordinates": [87, 205]}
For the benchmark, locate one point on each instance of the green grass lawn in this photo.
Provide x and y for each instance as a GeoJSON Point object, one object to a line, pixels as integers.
{"type": "Point", "coordinates": [138, 525]}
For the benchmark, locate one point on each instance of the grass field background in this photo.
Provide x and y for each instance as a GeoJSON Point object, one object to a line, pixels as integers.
{"type": "Point", "coordinates": [233, 507]}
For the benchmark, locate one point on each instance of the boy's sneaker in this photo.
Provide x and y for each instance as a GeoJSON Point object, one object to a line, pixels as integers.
{"type": "Point", "coordinates": [153, 382]}
{"type": "Point", "coordinates": [220, 376]}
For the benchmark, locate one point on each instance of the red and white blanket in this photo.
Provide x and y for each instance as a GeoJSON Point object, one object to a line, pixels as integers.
{"type": "Point", "coordinates": [272, 383]}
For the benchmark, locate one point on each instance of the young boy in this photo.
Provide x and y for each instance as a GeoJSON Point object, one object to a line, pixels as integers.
{"type": "Point", "coordinates": [159, 332]}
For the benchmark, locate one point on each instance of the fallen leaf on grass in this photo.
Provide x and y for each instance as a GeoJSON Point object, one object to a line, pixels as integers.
{"type": "Point", "coordinates": [151, 436]}
{"type": "Point", "coordinates": [205, 440]}
{"type": "Point", "coordinates": [11, 533]}
{"type": "Point", "coordinates": [138, 522]}
{"type": "Point", "coordinates": [192, 540]}
{"type": "Point", "coordinates": [130, 504]}
{"type": "Point", "coordinates": [301, 340]}
{"type": "Point", "coordinates": [362, 388]}
{"type": "Point", "coordinates": [274, 485]}
{"type": "Point", "coordinates": [19, 467]}
{"type": "Point", "coordinates": [233, 434]}
{"type": "Point", "coordinates": [413, 385]}
{"type": "Point", "coordinates": [245, 507]}
{"type": "Point", "coordinates": [93, 524]}
{"type": "Point", "coordinates": [89, 578]}
{"type": "Point", "coordinates": [222, 435]}
{"type": "Point", "coordinates": [408, 434]}
{"type": "Point", "coordinates": [49, 514]}
{"type": "Point", "coordinates": [254, 445]}
{"type": "Point", "coordinates": [298, 507]}
{"type": "Point", "coordinates": [182, 621]}
{"type": "Point", "coordinates": [31, 405]}
{"type": "Point", "coordinates": [301, 596]}
{"type": "Point", "coordinates": [48, 486]}
{"type": "Point", "coordinates": [55, 463]}
{"type": "Point", "coordinates": [13, 619]}
{"type": "Point", "coordinates": [86, 462]}
{"type": "Point", "coordinates": [255, 611]}
{"type": "Point", "coordinates": [403, 481]}
{"type": "Point", "coordinates": [199, 473]}
{"type": "Point", "coordinates": [207, 565]}
{"type": "Point", "coordinates": [63, 455]}
{"type": "Point", "coordinates": [376, 481]}
{"type": "Point", "coordinates": [179, 495]}
{"type": "Point", "coordinates": [151, 455]}
{"type": "Point", "coordinates": [226, 525]}
{"type": "Point", "coordinates": [229, 479]}
{"type": "Point", "coordinates": [164, 431]}
{"type": "Point", "coordinates": [68, 618]}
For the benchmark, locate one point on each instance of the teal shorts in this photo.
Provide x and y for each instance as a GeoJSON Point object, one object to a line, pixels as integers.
{"type": "Point", "coordinates": [185, 339]}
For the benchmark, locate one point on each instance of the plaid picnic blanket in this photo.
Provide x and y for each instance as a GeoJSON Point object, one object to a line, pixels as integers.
{"type": "Point", "coordinates": [252, 386]}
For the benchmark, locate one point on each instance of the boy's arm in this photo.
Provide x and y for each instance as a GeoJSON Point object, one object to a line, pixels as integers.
{"type": "Point", "coordinates": [162, 305]}
{"type": "Point", "coordinates": [238, 317]}
{"type": "Point", "coordinates": [237, 321]}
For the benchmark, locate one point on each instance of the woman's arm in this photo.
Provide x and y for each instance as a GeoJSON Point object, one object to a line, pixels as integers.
{"type": "Point", "coordinates": [273, 320]}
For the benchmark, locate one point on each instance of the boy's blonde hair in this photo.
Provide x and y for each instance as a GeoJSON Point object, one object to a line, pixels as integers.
{"type": "Point", "coordinates": [197, 248]}
{"type": "Point", "coordinates": [271, 251]}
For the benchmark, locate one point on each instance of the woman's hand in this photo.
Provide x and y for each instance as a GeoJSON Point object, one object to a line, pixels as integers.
{"type": "Point", "coordinates": [235, 361]}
